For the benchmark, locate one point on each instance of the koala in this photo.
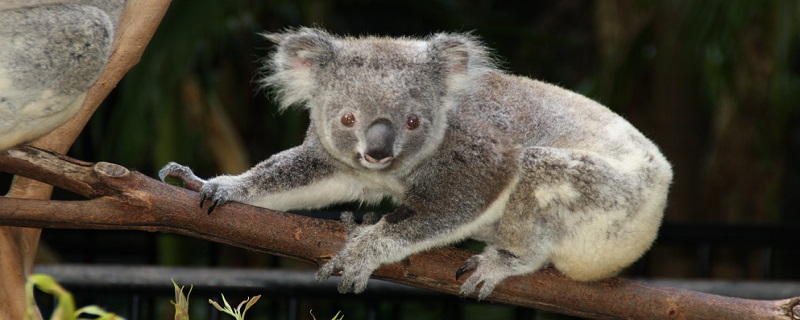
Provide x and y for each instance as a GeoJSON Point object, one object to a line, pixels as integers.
{"type": "Point", "coordinates": [542, 175]}
{"type": "Point", "coordinates": [53, 51]}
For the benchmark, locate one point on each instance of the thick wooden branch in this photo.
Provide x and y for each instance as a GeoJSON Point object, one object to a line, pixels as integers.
{"type": "Point", "coordinates": [123, 199]}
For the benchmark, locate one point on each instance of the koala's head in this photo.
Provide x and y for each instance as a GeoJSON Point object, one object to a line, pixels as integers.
{"type": "Point", "coordinates": [375, 103]}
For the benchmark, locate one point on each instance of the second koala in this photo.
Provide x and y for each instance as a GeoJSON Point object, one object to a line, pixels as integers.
{"type": "Point", "coordinates": [541, 174]}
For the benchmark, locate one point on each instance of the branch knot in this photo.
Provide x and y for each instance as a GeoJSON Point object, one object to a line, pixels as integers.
{"type": "Point", "coordinates": [110, 169]}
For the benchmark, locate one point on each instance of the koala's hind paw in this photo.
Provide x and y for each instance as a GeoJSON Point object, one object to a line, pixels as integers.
{"type": "Point", "coordinates": [490, 269]}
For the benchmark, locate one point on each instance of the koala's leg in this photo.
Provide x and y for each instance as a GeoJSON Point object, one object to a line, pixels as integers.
{"type": "Point", "coordinates": [578, 210]}
{"type": "Point", "coordinates": [522, 242]}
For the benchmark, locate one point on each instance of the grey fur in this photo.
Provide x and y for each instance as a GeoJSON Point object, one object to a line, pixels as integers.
{"type": "Point", "coordinates": [53, 51]}
{"type": "Point", "coordinates": [542, 174]}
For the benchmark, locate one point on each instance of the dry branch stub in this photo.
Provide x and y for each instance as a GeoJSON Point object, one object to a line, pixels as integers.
{"type": "Point", "coordinates": [110, 169]}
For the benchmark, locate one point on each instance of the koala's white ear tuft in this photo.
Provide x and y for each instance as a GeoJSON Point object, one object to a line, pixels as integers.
{"type": "Point", "coordinates": [462, 55]}
{"type": "Point", "coordinates": [453, 50]}
{"type": "Point", "coordinates": [291, 67]}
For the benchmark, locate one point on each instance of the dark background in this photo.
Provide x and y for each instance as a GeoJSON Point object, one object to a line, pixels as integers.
{"type": "Point", "coordinates": [716, 84]}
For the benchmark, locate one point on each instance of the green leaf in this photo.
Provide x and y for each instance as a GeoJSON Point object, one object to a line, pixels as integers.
{"type": "Point", "coordinates": [65, 310]}
{"type": "Point", "coordinates": [228, 306]}
{"type": "Point", "coordinates": [227, 309]}
{"type": "Point", "coordinates": [237, 313]}
{"type": "Point", "coordinates": [250, 302]}
{"type": "Point", "coordinates": [216, 305]}
{"type": "Point", "coordinates": [181, 302]}
{"type": "Point", "coordinates": [98, 313]}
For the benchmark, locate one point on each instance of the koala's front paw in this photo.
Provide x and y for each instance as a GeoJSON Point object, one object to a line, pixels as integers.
{"type": "Point", "coordinates": [355, 271]}
{"type": "Point", "coordinates": [219, 191]}
{"type": "Point", "coordinates": [354, 261]}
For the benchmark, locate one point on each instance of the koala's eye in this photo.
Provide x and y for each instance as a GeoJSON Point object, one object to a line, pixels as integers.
{"type": "Point", "coordinates": [412, 122]}
{"type": "Point", "coordinates": [348, 119]}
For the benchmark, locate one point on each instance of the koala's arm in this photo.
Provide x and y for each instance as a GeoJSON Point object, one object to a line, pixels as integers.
{"type": "Point", "coordinates": [451, 199]}
{"type": "Point", "coordinates": [297, 178]}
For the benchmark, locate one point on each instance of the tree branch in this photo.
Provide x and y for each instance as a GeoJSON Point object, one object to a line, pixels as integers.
{"type": "Point", "coordinates": [123, 199]}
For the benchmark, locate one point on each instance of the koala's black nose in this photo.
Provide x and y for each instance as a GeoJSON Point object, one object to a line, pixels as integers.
{"type": "Point", "coordinates": [380, 141]}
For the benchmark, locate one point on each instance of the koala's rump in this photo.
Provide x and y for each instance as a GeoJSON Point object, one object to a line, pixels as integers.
{"type": "Point", "coordinates": [607, 212]}
{"type": "Point", "coordinates": [602, 247]}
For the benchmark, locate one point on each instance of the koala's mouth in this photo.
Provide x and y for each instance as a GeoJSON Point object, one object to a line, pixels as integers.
{"type": "Point", "coordinates": [370, 162]}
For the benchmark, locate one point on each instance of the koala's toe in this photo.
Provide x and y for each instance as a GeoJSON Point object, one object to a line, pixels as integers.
{"type": "Point", "coordinates": [487, 287]}
{"type": "Point", "coordinates": [360, 285]}
{"type": "Point", "coordinates": [354, 280]}
{"type": "Point", "coordinates": [345, 286]}
{"type": "Point", "coordinates": [171, 168]}
{"type": "Point", "coordinates": [369, 218]}
{"type": "Point", "coordinates": [325, 271]}
{"type": "Point", "coordinates": [349, 222]}
{"type": "Point", "coordinates": [469, 286]}
{"type": "Point", "coordinates": [321, 276]}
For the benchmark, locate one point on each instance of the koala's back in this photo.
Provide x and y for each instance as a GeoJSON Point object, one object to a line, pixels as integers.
{"type": "Point", "coordinates": [536, 114]}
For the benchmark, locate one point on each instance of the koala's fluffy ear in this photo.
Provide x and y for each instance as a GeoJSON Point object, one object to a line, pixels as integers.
{"type": "Point", "coordinates": [461, 55]}
{"type": "Point", "coordinates": [292, 65]}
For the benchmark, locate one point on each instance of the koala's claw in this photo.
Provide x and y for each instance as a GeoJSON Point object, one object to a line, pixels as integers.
{"type": "Point", "coordinates": [213, 205]}
{"type": "Point", "coordinates": [215, 192]}
{"type": "Point", "coordinates": [467, 267]}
